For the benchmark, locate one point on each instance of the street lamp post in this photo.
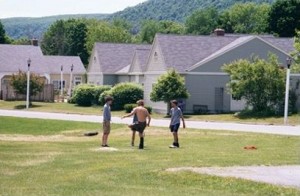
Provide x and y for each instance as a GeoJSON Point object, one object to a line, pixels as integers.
{"type": "Point", "coordinates": [71, 81]}
{"type": "Point", "coordinates": [28, 83]}
{"type": "Point", "coordinates": [61, 83]}
{"type": "Point", "coordinates": [287, 89]}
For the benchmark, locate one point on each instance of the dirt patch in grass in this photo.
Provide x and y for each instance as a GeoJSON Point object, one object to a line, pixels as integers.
{"type": "Point", "coordinates": [41, 138]}
{"type": "Point", "coordinates": [278, 175]}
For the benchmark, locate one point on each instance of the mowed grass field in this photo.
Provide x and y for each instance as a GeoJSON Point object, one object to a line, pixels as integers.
{"type": "Point", "coordinates": [97, 110]}
{"type": "Point", "coordinates": [47, 157]}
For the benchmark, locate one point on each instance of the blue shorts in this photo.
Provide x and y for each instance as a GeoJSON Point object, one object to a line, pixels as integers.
{"type": "Point", "coordinates": [174, 128]}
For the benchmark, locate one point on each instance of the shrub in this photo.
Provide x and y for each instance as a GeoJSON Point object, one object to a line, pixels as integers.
{"type": "Point", "coordinates": [123, 93]}
{"type": "Point", "coordinates": [86, 95]}
{"type": "Point", "coordinates": [129, 107]}
{"type": "Point", "coordinates": [83, 95]}
{"type": "Point", "coordinates": [98, 90]}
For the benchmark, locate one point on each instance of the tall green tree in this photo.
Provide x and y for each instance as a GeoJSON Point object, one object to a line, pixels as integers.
{"type": "Point", "coordinates": [245, 18]}
{"type": "Point", "coordinates": [19, 83]}
{"type": "Point", "coordinates": [151, 27]}
{"type": "Point", "coordinates": [202, 22]}
{"type": "Point", "coordinates": [168, 87]}
{"type": "Point", "coordinates": [284, 17]}
{"type": "Point", "coordinates": [66, 38]}
{"type": "Point", "coordinates": [101, 31]}
{"type": "Point", "coordinates": [296, 54]}
{"type": "Point", "coordinates": [260, 82]}
{"type": "Point", "coordinates": [4, 39]}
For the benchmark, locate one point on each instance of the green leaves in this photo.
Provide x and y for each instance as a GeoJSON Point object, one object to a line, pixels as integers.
{"type": "Point", "coordinates": [284, 17]}
{"type": "Point", "coordinates": [261, 83]}
{"type": "Point", "coordinates": [168, 87]}
{"type": "Point", "coordinates": [19, 83]}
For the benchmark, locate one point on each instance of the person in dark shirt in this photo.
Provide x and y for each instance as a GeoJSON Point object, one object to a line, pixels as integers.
{"type": "Point", "coordinates": [176, 115]}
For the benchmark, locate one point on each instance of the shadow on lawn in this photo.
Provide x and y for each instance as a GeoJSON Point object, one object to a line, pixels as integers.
{"type": "Point", "coordinates": [21, 107]}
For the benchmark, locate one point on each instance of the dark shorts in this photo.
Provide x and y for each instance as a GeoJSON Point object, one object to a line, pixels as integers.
{"type": "Point", "coordinates": [139, 127]}
{"type": "Point", "coordinates": [174, 128]}
{"type": "Point", "coordinates": [132, 126]}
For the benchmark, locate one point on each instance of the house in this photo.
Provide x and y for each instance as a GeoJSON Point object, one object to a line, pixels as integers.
{"type": "Point", "coordinates": [199, 59]}
{"type": "Point", "coordinates": [110, 63]}
{"type": "Point", "coordinates": [15, 57]}
{"type": "Point", "coordinates": [72, 66]}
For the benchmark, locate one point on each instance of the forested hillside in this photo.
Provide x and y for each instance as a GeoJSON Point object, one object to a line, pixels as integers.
{"type": "Point", "coordinates": [176, 10]}
{"type": "Point", "coordinates": [35, 27]}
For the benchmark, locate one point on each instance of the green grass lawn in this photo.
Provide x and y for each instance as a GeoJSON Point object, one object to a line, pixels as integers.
{"type": "Point", "coordinates": [47, 157]}
{"type": "Point", "coordinates": [97, 110]}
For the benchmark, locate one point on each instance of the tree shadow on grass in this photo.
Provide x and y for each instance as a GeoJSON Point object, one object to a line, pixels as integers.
{"type": "Point", "coordinates": [22, 107]}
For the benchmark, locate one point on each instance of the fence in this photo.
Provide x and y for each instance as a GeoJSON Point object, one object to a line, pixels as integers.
{"type": "Point", "coordinates": [9, 94]}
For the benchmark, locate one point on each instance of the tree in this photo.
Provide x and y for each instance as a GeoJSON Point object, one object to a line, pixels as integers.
{"type": "Point", "coordinates": [260, 82]}
{"type": "Point", "coordinates": [202, 22]}
{"type": "Point", "coordinates": [101, 31]}
{"type": "Point", "coordinates": [168, 87]}
{"type": "Point", "coordinates": [296, 54]}
{"type": "Point", "coordinates": [151, 27]}
{"type": "Point", "coordinates": [245, 18]}
{"type": "Point", "coordinates": [284, 17]}
{"type": "Point", "coordinates": [4, 39]}
{"type": "Point", "coordinates": [66, 38]}
{"type": "Point", "coordinates": [19, 83]}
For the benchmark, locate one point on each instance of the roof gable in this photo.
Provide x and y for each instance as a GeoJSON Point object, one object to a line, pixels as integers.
{"type": "Point", "coordinates": [139, 61]}
{"type": "Point", "coordinates": [114, 57]}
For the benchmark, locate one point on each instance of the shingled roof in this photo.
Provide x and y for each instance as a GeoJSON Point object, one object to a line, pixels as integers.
{"type": "Point", "coordinates": [54, 64]}
{"type": "Point", "coordinates": [114, 57]}
{"type": "Point", "coordinates": [14, 58]}
{"type": "Point", "coordinates": [182, 51]}
{"type": "Point", "coordinates": [142, 56]}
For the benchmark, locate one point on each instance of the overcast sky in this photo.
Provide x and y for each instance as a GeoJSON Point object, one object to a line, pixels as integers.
{"type": "Point", "coordinates": [38, 8]}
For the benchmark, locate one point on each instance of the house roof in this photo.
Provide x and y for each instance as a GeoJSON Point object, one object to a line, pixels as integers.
{"type": "Point", "coordinates": [142, 55]}
{"type": "Point", "coordinates": [54, 64]}
{"type": "Point", "coordinates": [14, 58]}
{"type": "Point", "coordinates": [114, 57]}
{"type": "Point", "coordinates": [182, 51]}
{"type": "Point", "coordinates": [284, 44]}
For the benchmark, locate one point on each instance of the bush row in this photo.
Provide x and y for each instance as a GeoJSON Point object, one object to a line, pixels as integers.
{"type": "Point", "coordinates": [123, 93]}
{"type": "Point", "coordinates": [87, 95]}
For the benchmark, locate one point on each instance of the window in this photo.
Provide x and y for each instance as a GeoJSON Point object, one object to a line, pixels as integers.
{"type": "Point", "coordinates": [57, 85]}
{"type": "Point", "coordinates": [77, 80]}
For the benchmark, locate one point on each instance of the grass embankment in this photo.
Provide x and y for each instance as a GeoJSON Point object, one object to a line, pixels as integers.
{"type": "Point", "coordinates": [47, 157]}
{"type": "Point", "coordinates": [97, 110]}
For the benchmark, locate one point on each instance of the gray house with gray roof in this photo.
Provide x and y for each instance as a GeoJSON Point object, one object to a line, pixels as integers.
{"type": "Point", "coordinates": [110, 63]}
{"type": "Point", "coordinates": [199, 59]}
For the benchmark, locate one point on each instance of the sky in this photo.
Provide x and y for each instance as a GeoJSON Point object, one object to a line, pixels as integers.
{"type": "Point", "coordinates": [38, 8]}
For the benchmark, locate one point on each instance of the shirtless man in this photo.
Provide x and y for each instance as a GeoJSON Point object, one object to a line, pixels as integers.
{"type": "Point", "coordinates": [142, 114]}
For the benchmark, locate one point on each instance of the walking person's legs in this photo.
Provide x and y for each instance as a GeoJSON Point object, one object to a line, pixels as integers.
{"type": "Point", "coordinates": [133, 138]}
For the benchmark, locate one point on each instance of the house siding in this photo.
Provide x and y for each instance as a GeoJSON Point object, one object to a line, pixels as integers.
{"type": "Point", "coordinates": [156, 61]}
{"type": "Point", "coordinates": [202, 89]}
{"type": "Point", "coordinates": [110, 80]}
{"type": "Point", "coordinates": [159, 107]}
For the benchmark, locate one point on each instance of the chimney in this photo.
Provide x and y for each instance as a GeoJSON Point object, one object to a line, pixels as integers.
{"type": "Point", "coordinates": [35, 42]}
{"type": "Point", "coordinates": [219, 32]}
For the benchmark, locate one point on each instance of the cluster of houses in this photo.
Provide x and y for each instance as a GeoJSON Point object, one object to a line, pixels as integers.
{"type": "Point", "coordinates": [199, 59]}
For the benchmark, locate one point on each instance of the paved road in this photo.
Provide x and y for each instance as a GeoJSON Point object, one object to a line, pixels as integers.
{"type": "Point", "coordinates": [269, 129]}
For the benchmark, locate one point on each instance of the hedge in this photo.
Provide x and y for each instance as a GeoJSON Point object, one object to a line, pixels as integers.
{"type": "Point", "coordinates": [86, 95]}
{"type": "Point", "coordinates": [123, 93]}
{"type": "Point", "coordinates": [129, 107]}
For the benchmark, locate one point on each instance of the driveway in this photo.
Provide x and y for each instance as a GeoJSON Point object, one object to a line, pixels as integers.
{"type": "Point", "coordinates": [267, 129]}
